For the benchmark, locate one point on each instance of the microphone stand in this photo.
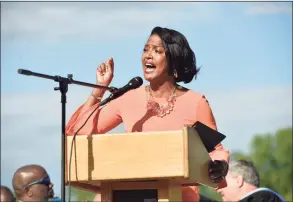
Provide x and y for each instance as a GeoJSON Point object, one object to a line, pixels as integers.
{"type": "Point", "coordinates": [63, 88]}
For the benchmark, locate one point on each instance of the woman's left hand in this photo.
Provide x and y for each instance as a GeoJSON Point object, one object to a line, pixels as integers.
{"type": "Point", "coordinates": [218, 170]}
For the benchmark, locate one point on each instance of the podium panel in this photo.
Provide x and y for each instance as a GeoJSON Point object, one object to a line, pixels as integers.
{"type": "Point", "coordinates": [178, 155]}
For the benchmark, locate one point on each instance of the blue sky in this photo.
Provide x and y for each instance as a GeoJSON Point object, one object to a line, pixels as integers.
{"type": "Point", "coordinates": [244, 49]}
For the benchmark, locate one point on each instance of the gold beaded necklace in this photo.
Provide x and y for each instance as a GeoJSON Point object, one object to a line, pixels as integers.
{"type": "Point", "coordinates": [156, 108]}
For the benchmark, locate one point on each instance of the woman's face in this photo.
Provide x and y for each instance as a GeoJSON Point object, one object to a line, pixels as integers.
{"type": "Point", "coordinates": [154, 60]}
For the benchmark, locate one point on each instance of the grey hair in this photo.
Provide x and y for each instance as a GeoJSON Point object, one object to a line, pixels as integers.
{"type": "Point", "coordinates": [246, 169]}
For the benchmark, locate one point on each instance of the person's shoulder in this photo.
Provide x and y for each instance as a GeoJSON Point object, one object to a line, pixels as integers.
{"type": "Point", "coordinates": [134, 93]}
{"type": "Point", "coordinates": [138, 91]}
{"type": "Point", "coordinates": [190, 94]}
{"type": "Point", "coordinates": [269, 195]}
{"type": "Point", "coordinates": [128, 97]}
{"type": "Point", "coordinates": [262, 195]}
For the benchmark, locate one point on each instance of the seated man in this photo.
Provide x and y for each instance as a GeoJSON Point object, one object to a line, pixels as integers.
{"type": "Point", "coordinates": [32, 183]}
{"type": "Point", "coordinates": [243, 185]}
{"type": "Point", "coordinates": [6, 195]}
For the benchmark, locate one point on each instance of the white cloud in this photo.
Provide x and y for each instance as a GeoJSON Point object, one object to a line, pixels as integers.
{"type": "Point", "coordinates": [269, 8]}
{"type": "Point", "coordinates": [31, 128]}
{"type": "Point", "coordinates": [94, 20]}
{"type": "Point", "coordinates": [242, 114]}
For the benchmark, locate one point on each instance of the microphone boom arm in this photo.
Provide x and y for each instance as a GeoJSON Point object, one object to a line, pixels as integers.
{"type": "Point", "coordinates": [67, 80]}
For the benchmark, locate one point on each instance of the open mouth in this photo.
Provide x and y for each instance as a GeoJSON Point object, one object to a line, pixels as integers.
{"type": "Point", "coordinates": [149, 67]}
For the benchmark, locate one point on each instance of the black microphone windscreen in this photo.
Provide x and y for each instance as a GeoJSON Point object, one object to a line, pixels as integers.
{"type": "Point", "coordinates": [25, 72]}
{"type": "Point", "coordinates": [135, 82]}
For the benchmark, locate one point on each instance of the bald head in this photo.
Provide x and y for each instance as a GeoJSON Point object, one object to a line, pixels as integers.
{"type": "Point", "coordinates": [6, 194]}
{"type": "Point", "coordinates": [27, 174]}
{"type": "Point", "coordinates": [26, 183]}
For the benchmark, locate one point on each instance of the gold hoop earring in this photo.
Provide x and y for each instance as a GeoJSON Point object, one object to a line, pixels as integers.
{"type": "Point", "coordinates": [175, 74]}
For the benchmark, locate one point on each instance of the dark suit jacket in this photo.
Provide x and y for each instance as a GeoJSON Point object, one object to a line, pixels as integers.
{"type": "Point", "coordinates": [263, 195]}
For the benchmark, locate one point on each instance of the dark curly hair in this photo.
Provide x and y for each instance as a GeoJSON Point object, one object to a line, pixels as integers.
{"type": "Point", "coordinates": [180, 57]}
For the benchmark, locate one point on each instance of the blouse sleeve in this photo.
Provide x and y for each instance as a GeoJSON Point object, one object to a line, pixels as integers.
{"type": "Point", "coordinates": [101, 120]}
{"type": "Point", "coordinates": [205, 116]}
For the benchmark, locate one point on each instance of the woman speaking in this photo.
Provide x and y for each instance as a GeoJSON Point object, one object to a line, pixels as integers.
{"type": "Point", "coordinates": [163, 104]}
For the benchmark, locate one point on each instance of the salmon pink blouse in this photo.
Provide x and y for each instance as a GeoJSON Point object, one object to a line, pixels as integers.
{"type": "Point", "coordinates": [131, 110]}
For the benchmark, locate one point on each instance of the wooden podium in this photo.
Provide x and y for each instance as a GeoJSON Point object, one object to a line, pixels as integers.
{"type": "Point", "coordinates": [140, 167]}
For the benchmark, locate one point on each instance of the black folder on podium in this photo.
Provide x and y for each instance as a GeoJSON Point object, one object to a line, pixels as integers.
{"type": "Point", "coordinates": [209, 137]}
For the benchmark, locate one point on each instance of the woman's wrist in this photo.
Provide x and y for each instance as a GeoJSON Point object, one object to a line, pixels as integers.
{"type": "Point", "coordinates": [97, 97]}
{"type": "Point", "coordinates": [98, 92]}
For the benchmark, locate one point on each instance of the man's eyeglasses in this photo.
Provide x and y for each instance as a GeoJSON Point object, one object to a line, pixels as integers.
{"type": "Point", "coordinates": [45, 181]}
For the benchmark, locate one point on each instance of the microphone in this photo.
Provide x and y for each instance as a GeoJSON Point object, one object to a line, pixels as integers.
{"type": "Point", "coordinates": [132, 84]}
{"type": "Point", "coordinates": [25, 72]}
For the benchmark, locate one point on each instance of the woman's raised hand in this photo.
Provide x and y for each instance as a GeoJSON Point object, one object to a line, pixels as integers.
{"type": "Point", "coordinates": [105, 72]}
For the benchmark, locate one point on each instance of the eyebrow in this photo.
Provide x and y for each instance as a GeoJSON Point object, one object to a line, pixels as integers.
{"type": "Point", "coordinates": [156, 46]}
